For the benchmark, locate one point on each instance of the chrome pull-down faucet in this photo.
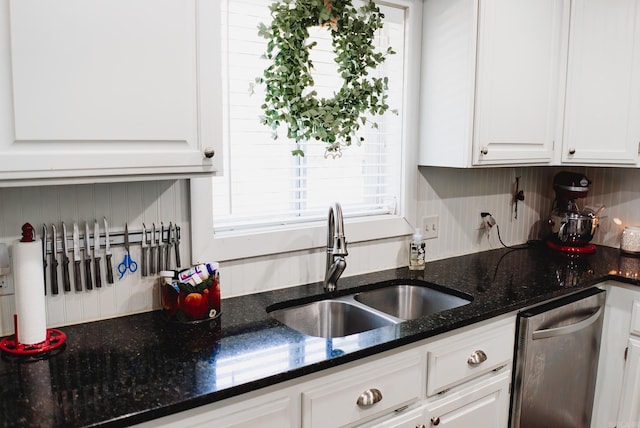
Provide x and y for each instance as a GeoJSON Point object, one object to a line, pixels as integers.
{"type": "Point", "coordinates": [336, 248]}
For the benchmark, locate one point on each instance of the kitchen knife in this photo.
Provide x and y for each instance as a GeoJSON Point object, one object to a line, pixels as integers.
{"type": "Point", "coordinates": [77, 276]}
{"type": "Point", "coordinates": [44, 256]}
{"type": "Point", "coordinates": [170, 242]}
{"type": "Point", "coordinates": [154, 249]}
{"type": "Point", "coordinates": [107, 252]}
{"type": "Point", "coordinates": [145, 250]}
{"type": "Point", "coordinates": [87, 257]}
{"type": "Point", "coordinates": [54, 261]}
{"type": "Point", "coordinates": [161, 248]}
{"type": "Point", "coordinates": [176, 242]}
{"type": "Point", "coordinates": [66, 281]}
{"type": "Point", "coordinates": [96, 253]}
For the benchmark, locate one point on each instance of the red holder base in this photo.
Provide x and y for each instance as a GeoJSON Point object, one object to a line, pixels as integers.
{"type": "Point", "coordinates": [55, 339]}
{"type": "Point", "coordinates": [571, 249]}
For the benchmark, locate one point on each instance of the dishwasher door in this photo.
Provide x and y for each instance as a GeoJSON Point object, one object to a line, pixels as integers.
{"type": "Point", "coordinates": [556, 362]}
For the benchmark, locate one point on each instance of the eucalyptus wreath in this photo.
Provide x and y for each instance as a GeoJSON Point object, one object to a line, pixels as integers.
{"type": "Point", "coordinates": [288, 99]}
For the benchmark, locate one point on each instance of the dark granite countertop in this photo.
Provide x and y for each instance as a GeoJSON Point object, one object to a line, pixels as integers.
{"type": "Point", "coordinates": [136, 368]}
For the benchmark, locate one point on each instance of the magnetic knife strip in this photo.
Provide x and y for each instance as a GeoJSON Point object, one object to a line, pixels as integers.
{"type": "Point", "coordinates": [156, 252]}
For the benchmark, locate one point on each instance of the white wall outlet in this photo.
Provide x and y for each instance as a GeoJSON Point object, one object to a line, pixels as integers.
{"type": "Point", "coordinates": [430, 227]}
{"type": "Point", "coordinates": [6, 285]}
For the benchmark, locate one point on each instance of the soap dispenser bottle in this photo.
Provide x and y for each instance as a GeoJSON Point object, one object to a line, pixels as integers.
{"type": "Point", "coordinates": [416, 251]}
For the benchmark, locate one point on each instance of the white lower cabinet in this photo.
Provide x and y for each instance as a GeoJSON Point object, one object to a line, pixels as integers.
{"type": "Point", "coordinates": [484, 404]}
{"type": "Point", "coordinates": [617, 397]}
{"type": "Point", "coordinates": [269, 410]}
{"type": "Point", "coordinates": [629, 414]}
{"type": "Point", "coordinates": [470, 369]}
{"type": "Point", "coordinates": [364, 392]}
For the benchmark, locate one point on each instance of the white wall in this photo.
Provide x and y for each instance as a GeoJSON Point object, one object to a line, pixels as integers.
{"type": "Point", "coordinates": [456, 195]}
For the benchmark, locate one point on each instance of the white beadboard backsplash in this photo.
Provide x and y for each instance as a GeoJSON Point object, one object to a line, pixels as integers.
{"type": "Point", "coordinates": [456, 196]}
{"type": "Point", "coordinates": [133, 203]}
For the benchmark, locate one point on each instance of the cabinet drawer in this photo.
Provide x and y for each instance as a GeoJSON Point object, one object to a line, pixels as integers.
{"type": "Point", "coordinates": [335, 402]}
{"type": "Point", "coordinates": [468, 355]}
{"type": "Point", "coordinates": [634, 328]}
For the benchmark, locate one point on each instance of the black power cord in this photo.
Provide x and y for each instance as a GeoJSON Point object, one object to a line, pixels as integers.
{"type": "Point", "coordinates": [489, 221]}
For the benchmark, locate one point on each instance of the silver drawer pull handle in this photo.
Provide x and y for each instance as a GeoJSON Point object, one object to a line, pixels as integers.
{"type": "Point", "coordinates": [369, 397]}
{"type": "Point", "coordinates": [476, 358]}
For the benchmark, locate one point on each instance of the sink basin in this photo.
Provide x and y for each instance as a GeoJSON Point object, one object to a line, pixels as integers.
{"type": "Point", "coordinates": [410, 301]}
{"type": "Point", "coordinates": [368, 310]}
{"type": "Point", "coordinates": [330, 318]}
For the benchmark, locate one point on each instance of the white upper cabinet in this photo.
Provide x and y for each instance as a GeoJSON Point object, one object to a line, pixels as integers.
{"type": "Point", "coordinates": [602, 119]}
{"type": "Point", "coordinates": [108, 89]}
{"type": "Point", "coordinates": [491, 81]}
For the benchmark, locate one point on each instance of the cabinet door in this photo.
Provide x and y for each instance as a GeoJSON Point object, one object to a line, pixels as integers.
{"type": "Point", "coordinates": [521, 46]}
{"type": "Point", "coordinates": [108, 88]}
{"type": "Point", "coordinates": [412, 419]}
{"type": "Point", "coordinates": [263, 412]}
{"type": "Point", "coordinates": [482, 405]}
{"type": "Point", "coordinates": [603, 83]}
{"type": "Point", "coordinates": [629, 414]}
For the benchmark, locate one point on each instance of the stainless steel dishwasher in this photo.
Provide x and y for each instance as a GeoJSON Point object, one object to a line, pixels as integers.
{"type": "Point", "coordinates": [556, 362]}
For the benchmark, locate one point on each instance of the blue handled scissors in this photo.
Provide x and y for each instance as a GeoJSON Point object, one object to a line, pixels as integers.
{"type": "Point", "coordinates": [128, 264]}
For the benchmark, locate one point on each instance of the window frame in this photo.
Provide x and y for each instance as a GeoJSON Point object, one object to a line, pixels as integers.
{"type": "Point", "coordinates": [206, 245]}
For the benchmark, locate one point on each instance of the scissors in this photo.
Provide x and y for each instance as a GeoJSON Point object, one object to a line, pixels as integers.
{"type": "Point", "coordinates": [128, 263]}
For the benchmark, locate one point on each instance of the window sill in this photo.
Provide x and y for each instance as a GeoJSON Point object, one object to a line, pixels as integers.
{"type": "Point", "coordinates": [225, 247]}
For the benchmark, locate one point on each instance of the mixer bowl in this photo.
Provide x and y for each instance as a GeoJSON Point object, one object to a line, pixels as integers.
{"type": "Point", "coordinates": [573, 228]}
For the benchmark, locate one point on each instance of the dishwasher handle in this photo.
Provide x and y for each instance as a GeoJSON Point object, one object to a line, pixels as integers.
{"type": "Point", "coordinates": [567, 329]}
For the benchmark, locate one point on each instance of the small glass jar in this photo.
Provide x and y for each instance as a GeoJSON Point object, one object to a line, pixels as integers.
{"type": "Point", "coordinates": [630, 240]}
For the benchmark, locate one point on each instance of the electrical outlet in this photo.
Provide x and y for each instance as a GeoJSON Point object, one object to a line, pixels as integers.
{"type": "Point", "coordinates": [430, 227]}
{"type": "Point", "coordinates": [6, 285]}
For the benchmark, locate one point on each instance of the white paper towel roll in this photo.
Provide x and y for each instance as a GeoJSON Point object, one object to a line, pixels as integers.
{"type": "Point", "coordinates": [29, 292]}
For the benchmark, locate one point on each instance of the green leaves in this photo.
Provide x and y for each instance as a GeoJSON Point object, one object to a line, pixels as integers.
{"type": "Point", "coordinates": [333, 121]}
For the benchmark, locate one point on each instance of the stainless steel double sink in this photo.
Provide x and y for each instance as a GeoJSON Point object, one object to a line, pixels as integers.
{"type": "Point", "coordinates": [367, 310]}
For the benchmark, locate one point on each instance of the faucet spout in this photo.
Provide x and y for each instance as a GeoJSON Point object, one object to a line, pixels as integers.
{"type": "Point", "coordinates": [336, 248]}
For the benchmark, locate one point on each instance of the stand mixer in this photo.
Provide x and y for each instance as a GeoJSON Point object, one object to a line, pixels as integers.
{"type": "Point", "coordinates": [571, 228]}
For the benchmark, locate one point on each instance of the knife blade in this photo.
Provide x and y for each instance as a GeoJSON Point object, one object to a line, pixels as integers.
{"type": "Point", "coordinates": [145, 250]}
{"type": "Point", "coordinates": [66, 281]}
{"type": "Point", "coordinates": [77, 276]}
{"type": "Point", "coordinates": [54, 261]}
{"type": "Point", "coordinates": [87, 257]}
{"type": "Point", "coordinates": [107, 252]}
{"type": "Point", "coordinates": [170, 243]}
{"type": "Point", "coordinates": [176, 238]}
{"type": "Point", "coordinates": [44, 256]}
{"type": "Point", "coordinates": [154, 249]}
{"type": "Point", "coordinates": [96, 253]}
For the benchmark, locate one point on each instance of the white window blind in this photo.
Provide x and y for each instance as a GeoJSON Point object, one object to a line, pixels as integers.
{"type": "Point", "coordinates": [264, 185]}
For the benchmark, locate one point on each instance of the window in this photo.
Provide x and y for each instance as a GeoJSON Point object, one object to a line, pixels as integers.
{"type": "Point", "coordinates": [264, 189]}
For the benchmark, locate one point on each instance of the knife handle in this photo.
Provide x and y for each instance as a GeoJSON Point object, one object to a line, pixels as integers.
{"type": "Point", "coordinates": [54, 274]}
{"type": "Point", "coordinates": [167, 255]}
{"type": "Point", "coordinates": [87, 274]}
{"type": "Point", "coordinates": [66, 281]}
{"type": "Point", "coordinates": [160, 257]}
{"type": "Point", "coordinates": [77, 277]}
{"type": "Point", "coordinates": [177, 245]}
{"type": "Point", "coordinates": [152, 260]}
{"type": "Point", "coordinates": [145, 254]}
{"type": "Point", "coordinates": [98, 273]}
{"type": "Point", "coordinates": [109, 269]}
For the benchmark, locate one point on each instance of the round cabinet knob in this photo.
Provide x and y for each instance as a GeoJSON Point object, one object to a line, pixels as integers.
{"type": "Point", "coordinates": [369, 397]}
{"type": "Point", "coordinates": [421, 426]}
{"type": "Point", "coordinates": [209, 152]}
{"type": "Point", "coordinates": [476, 358]}
{"type": "Point", "coordinates": [435, 420]}
{"type": "Point", "coordinates": [572, 151]}
{"type": "Point", "coordinates": [484, 151]}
